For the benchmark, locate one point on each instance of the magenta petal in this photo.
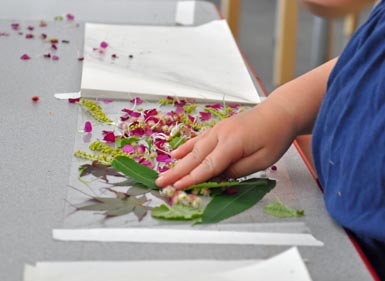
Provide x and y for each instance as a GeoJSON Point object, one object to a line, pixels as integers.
{"type": "Point", "coordinates": [147, 163]}
{"type": "Point", "coordinates": [205, 115]}
{"type": "Point", "coordinates": [73, 100]}
{"type": "Point", "coordinates": [215, 106]}
{"type": "Point", "coordinates": [54, 57]}
{"type": "Point", "coordinates": [70, 17]}
{"type": "Point", "coordinates": [25, 57]}
{"type": "Point", "coordinates": [29, 36]}
{"type": "Point", "coordinates": [103, 44]}
{"type": "Point", "coordinates": [128, 148]}
{"type": "Point", "coordinates": [109, 136]}
{"type": "Point", "coordinates": [15, 26]}
{"type": "Point", "coordinates": [137, 100]}
{"type": "Point", "coordinates": [179, 110]}
{"type": "Point", "coordinates": [163, 158]}
{"type": "Point", "coordinates": [87, 127]}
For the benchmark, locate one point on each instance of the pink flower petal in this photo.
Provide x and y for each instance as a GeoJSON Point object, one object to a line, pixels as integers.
{"type": "Point", "coordinates": [179, 110]}
{"type": "Point", "coordinates": [128, 149]}
{"type": "Point", "coordinates": [215, 106]}
{"type": "Point", "coordinates": [136, 100]}
{"type": "Point", "coordinates": [25, 57]}
{"type": "Point", "coordinates": [80, 58]}
{"type": "Point", "coordinates": [15, 26]}
{"type": "Point", "coordinates": [29, 36]}
{"type": "Point", "coordinates": [164, 158]}
{"type": "Point", "coordinates": [43, 36]}
{"type": "Point", "coordinates": [205, 116]}
{"type": "Point", "coordinates": [73, 100]}
{"type": "Point", "coordinates": [109, 136]}
{"type": "Point", "coordinates": [48, 56]}
{"type": "Point", "coordinates": [30, 27]}
{"type": "Point", "coordinates": [103, 44]}
{"type": "Point", "coordinates": [54, 57]}
{"type": "Point", "coordinates": [70, 17]}
{"type": "Point", "coordinates": [87, 127]}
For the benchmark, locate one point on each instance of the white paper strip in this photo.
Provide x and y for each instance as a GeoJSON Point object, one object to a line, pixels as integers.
{"type": "Point", "coordinates": [185, 12]}
{"type": "Point", "coordinates": [66, 96]}
{"type": "Point", "coordinates": [286, 266]}
{"type": "Point", "coordinates": [184, 236]}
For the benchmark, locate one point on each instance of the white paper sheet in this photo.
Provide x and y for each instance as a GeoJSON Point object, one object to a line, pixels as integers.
{"type": "Point", "coordinates": [185, 12]}
{"type": "Point", "coordinates": [200, 62]}
{"type": "Point", "coordinates": [285, 266]}
{"type": "Point", "coordinates": [153, 235]}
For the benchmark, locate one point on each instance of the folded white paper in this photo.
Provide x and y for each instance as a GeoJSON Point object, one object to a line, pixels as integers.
{"type": "Point", "coordinates": [286, 266]}
{"type": "Point", "coordinates": [203, 63]}
{"type": "Point", "coordinates": [153, 235]}
{"type": "Point", "coordinates": [185, 12]}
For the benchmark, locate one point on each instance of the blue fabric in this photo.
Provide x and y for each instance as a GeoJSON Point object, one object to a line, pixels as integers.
{"type": "Point", "coordinates": [349, 137]}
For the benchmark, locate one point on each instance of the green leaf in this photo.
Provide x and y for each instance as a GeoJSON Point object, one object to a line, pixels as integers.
{"type": "Point", "coordinates": [120, 142]}
{"type": "Point", "coordinates": [254, 181]}
{"type": "Point", "coordinates": [98, 170]}
{"type": "Point", "coordinates": [224, 206]}
{"type": "Point", "coordinates": [176, 142]}
{"type": "Point", "coordinates": [176, 212]}
{"type": "Point", "coordinates": [278, 209]}
{"type": "Point", "coordinates": [135, 171]}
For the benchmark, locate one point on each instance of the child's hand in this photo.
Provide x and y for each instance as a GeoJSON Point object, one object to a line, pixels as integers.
{"type": "Point", "coordinates": [237, 146]}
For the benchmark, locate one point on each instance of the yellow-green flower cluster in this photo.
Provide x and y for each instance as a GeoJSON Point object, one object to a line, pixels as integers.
{"type": "Point", "coordinates": [102, 158]}
{"type": "Point", "coordinates": [95, 110]}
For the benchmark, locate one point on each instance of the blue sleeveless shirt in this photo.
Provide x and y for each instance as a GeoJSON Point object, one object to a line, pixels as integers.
{"type": "Point", "coordinates": [349, 138]}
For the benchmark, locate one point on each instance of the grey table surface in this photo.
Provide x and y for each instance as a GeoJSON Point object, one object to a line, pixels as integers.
{"type": "Point", "coordinates": [37, 140]}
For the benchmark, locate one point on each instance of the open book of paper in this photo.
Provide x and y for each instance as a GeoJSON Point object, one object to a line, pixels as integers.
{"type": "Point", "coordinates": [203, 63]}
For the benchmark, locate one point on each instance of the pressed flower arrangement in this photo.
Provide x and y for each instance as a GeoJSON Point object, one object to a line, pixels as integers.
{"type": "Point", "coordinates": [134, 147]}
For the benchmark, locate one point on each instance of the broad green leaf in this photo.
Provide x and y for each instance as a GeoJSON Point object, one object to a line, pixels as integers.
{"type": "Point", "coordinates": [224, 206]}
{"type": "Point", "coordinates": [254, 181]}
{"type": "Point", "coordinates": [176, 212]}
{"type": "Point", "coordinates": [278, 209]}
{"type": "Point", "coordinates": [135, 171]}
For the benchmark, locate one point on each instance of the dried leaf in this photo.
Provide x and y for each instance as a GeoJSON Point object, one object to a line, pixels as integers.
{"type": "Point", "coordinates": [98, 170]}
{"type": "Point", "coordinates": [278, 209]}
{"type": "Point", "coordinates": [120, 205]}
{"type": "Point", "coordinates": [176, 212]}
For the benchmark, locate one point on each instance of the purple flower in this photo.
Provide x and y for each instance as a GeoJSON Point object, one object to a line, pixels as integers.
{"type": "Point", "coordinates": [109, 136]}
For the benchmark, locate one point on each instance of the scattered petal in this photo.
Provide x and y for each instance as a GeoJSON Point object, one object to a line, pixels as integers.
{"type": "Point", "coordinates": [53, 47]}
{"type": "Point", "coordinates": [54, 40]}
{"type": "Point", "coordinates": [70, 17]}
{"type": "Point", "coordinates": [25, 57]}
{"type": "Point", "coordinates": [215, 106]}
{"type": "Point", "coordinates": [80, 58]}
{"type": "Point", "coordinates": [114, 56]}
{"type": "Point", "coordinates": [15, 26]}
{"type": "Point", "coordinates": [109, 136]}
{"type": "Point", "coordinates": [103, 44]}
{"type": "Point", "coordinates": [35, 98]}
{"type": "Point", "coordinates": [73, 100]}
{"type": "Point", "coordinates": [48, 55]}
{"type": "Point", "coordinates": [54, 57]}
{"type": "Point", "coordinates": [130, 56]}
{"type": "Point", "coordinates": [29, 36]}
{"type": "Point", "coordinates": [128, 149]}
{"type": "Point", "coordinates": [205, 116]}
{"type": "Point", "coordinates": [4, 34]}
{"type": "Point", "coordinates": [273, 168]}
{"type": "Point", "coordinates": [30, 27]}
{"type": "Point", "coordinates": [43, 36]}
{"type": "Point", "coordinates": [136, 100]}
{"type": "Point", "coordinates": [87, 127]}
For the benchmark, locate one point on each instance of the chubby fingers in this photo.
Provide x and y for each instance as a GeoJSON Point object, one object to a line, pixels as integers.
{"type": "Point", "coordinates": [201, 160]}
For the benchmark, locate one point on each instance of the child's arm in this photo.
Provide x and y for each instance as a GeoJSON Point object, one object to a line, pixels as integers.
{"type": "Point", "coordinates": [252, 140]}
{"type": "Point", "coordinates": [335, 8]}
